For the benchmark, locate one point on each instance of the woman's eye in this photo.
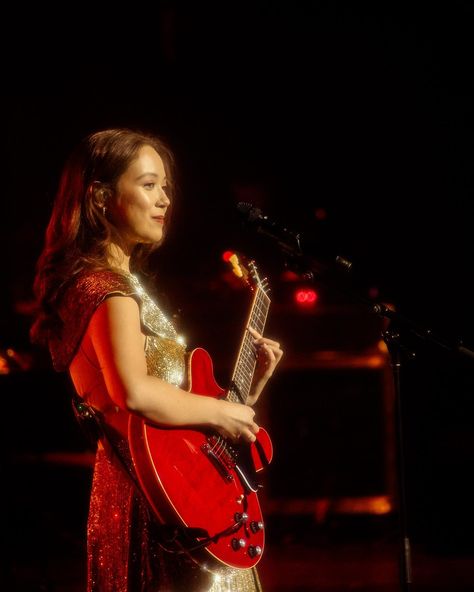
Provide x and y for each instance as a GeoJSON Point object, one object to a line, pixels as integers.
{"type": "Point", "coordinates": [150, 185]}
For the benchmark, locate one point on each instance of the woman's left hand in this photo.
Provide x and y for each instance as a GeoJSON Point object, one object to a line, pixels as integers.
{"type": "Point", "coordinates": [269, 353]}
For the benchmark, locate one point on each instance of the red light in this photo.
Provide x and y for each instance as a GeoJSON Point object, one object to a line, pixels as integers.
{"type": "Point", "coordinates": [289, 276]}
{"type": "Point", "coordinates": [373, 292]}
{"type": "Point", "coordinates": [226, 255]}
{"type": "Point", "coordinates": [320, 214]}
{"type": "Point", "coordinates": [305, 297]}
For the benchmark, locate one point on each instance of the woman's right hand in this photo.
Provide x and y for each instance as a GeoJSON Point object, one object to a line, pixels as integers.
{"type": "Point", "coordinates": [235, 421]}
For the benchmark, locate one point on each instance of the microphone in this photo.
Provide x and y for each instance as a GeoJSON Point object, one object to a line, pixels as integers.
{"type": "Point", "coordinates": [288, 240]}
{"type": "Point", "coordinates": [255, 217]}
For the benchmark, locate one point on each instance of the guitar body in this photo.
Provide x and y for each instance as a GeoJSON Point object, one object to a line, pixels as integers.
{"type": "Point", "coordinates": [199, 480]}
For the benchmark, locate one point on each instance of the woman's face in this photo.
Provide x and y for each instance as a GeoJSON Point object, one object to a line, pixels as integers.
{"type": "Point", "coordinates": [138, 207]}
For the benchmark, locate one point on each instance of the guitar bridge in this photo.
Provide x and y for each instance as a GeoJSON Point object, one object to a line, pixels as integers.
{"type": "Point", "coordinates": [222, 456]}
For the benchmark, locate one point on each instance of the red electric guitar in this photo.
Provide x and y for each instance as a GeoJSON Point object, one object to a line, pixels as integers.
{"type": "Point", "coordinates": [199, 482]}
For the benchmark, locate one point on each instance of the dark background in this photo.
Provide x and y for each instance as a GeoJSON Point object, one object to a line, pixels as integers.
{"type": "Point", "coordinates": [350, 122]}
{"type": "Point", "coordinates": [362, 111]}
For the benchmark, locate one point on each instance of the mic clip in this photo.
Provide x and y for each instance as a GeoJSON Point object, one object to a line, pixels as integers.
{"type": "Point", "coordinates": [288, 240]}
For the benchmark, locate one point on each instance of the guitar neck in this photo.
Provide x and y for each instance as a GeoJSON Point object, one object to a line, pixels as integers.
{"type": "Point", "coordinates": [244, 369]}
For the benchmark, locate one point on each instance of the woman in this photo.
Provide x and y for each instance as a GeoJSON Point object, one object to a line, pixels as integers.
{"type": "Point", "coordinates": [123, 354]}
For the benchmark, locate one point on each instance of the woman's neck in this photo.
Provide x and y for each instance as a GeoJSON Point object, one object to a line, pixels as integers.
{"type": "Point", "coordinates": [118, 258]}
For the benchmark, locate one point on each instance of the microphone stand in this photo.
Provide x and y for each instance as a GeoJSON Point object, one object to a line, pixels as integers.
{"type": "Point", "coordinates": [396, 338]}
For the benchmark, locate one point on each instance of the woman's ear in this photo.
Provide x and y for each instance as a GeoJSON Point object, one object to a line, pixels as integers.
{"type": "Point", "coordinates": [99, 193]}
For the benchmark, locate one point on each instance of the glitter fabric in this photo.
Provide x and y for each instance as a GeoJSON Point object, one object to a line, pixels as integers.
{"type": "Point", "coordinates": [124, 541]}
{"type": "Point", "coordinates": [77, 306]}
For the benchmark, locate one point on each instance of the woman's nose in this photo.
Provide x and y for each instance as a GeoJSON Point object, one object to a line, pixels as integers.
{"type": "Point", "coordinates": [163, 199]}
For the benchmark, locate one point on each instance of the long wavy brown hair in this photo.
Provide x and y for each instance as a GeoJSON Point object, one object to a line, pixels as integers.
{"type": "Point", "coordinates": [78, 232]}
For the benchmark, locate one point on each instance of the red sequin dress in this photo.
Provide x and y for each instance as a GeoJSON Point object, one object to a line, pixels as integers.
{"type": "Point", "coordinates": [123, 543]}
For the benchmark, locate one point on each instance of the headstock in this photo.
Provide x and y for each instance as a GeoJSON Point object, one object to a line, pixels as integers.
{"type": "Point", "coordinates": [247, 271]}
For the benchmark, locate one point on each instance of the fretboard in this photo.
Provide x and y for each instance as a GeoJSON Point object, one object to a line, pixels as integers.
{"type": "Point", "coordinates": [246, 360]}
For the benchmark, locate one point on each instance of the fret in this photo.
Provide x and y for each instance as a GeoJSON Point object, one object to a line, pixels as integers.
{"type": "Point", "coordinates": [244, 369]}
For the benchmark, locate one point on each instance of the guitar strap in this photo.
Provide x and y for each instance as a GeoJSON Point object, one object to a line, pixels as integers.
{"type": "Point", "coordinates": [88, 419]}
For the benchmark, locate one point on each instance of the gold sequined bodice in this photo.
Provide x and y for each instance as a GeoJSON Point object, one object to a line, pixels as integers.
{"type": "Point", "coordinates": [164, 348]}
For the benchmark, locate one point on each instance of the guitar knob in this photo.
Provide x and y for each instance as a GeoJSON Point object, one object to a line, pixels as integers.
{"type": "Point", "coordinates": [254, 551]}
{"type": "Point", "coordinates": [256, 526]}
{"type": "Point", "coordinates": [238, 544]}
{"type": "Point", "coordinates": [241, 517]}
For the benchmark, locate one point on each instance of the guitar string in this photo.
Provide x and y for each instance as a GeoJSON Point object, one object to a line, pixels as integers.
{"type": "Point", "coordinates": [258, 317]}
{"type": "Point", "coordinates": [247, 360]}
